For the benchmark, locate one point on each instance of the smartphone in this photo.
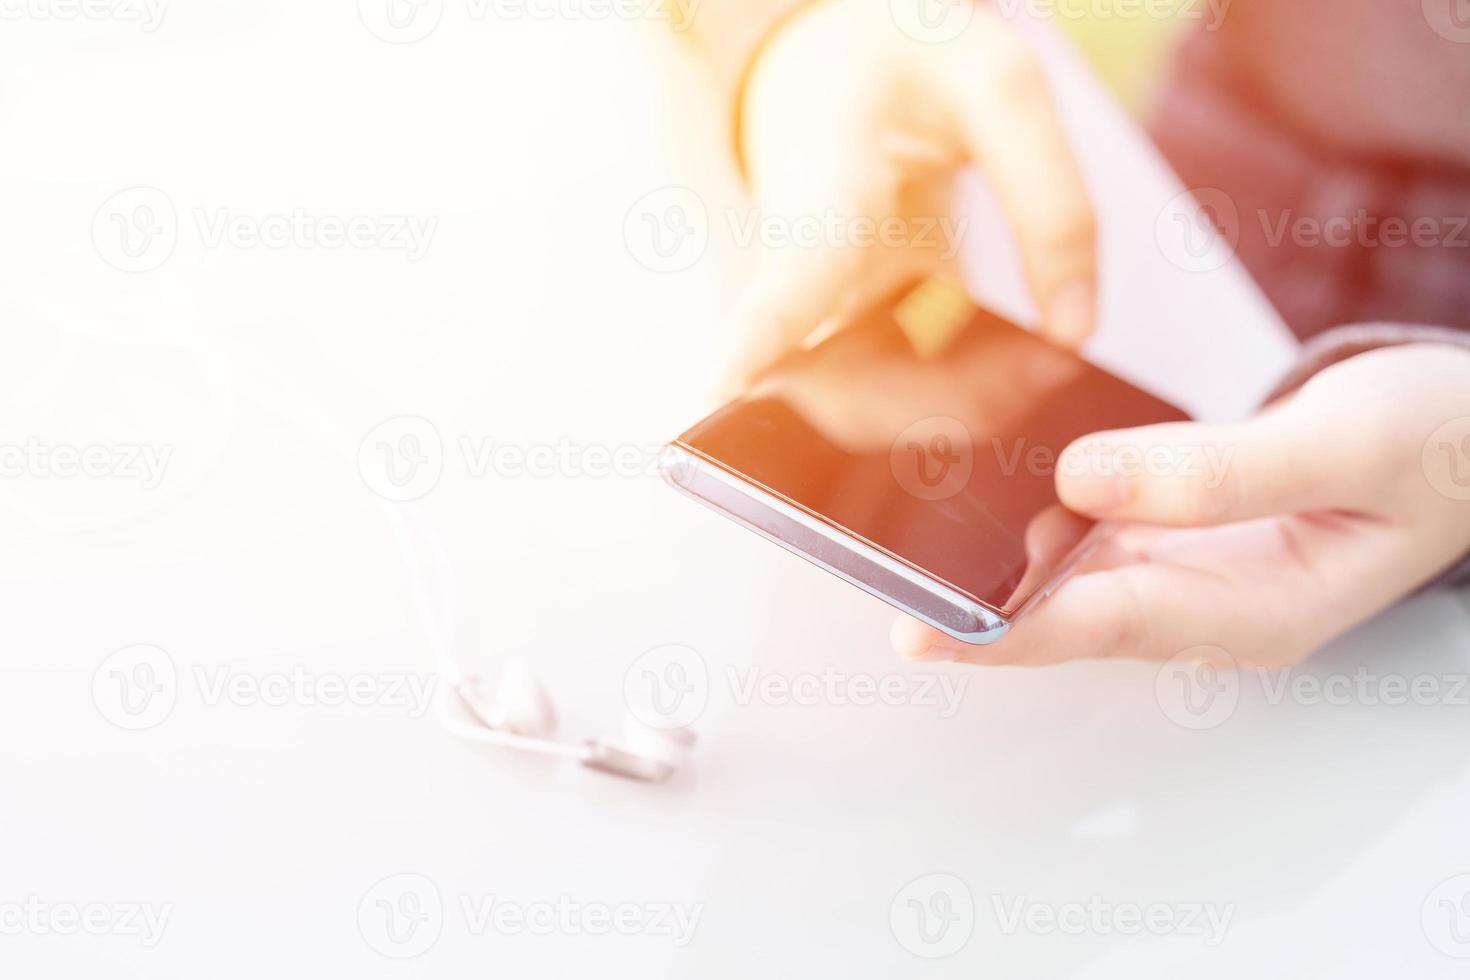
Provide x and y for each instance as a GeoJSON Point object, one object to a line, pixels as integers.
{"type": "Point", "coordinates": [913, 454]}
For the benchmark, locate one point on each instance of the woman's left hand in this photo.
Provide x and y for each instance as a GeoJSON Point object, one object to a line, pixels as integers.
{"type": "Point", "coordinates": [1264, 539]}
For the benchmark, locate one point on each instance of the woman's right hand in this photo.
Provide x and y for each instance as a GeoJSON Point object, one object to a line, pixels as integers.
{"type": "Point", "coordinates": [851, 124]}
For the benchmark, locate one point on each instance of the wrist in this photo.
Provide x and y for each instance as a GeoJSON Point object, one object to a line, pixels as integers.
{"type": "Point", "coordinates": [1341, 343]}
{"type": "Point", "coordinates": [724, 39]}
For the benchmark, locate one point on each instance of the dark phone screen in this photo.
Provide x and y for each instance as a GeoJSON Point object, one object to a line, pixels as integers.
{"type": "Point", "coordinates": [931, 430]}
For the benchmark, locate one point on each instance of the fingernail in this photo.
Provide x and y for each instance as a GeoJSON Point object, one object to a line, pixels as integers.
{"type": "Point", "coordinates": [1099, 494]}
{"type": "Point", "coordinates": [1072, 313]}
{"type": "Point", "coordinates": [1084, 488]}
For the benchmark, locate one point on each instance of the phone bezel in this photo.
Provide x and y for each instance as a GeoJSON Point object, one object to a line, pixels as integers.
{"type": "Point", "coordinates": [831, 548]}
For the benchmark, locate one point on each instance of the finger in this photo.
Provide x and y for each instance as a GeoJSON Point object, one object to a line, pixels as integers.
{"type": "Point", "coordinates": [786, 303]}
{"type": "Point", "coordinates": [1262, 599]}
{"type": "Point", "coordinates": [997, 92]}
{"type": "Point", "coordinates": [1050, 537]}
{"type": "Point", "coordinates": [808, 164]}
{"type": "Point", "coordinates": [1187, 474]}
{"type": "Point", "coordinates": [1143, 612]}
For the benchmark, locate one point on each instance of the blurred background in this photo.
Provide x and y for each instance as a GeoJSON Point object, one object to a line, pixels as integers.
{"type": "Point", "coordinates": [276, 275]}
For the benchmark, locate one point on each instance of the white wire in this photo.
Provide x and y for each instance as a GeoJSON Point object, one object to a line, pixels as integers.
{"type": "Point", "coordinates": [430, 576]}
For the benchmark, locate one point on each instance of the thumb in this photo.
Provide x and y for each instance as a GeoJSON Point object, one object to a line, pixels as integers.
{"type": "Point", "coordinates": [1189, 474]}
{"type": "Point", "coordinates": [789, 299]}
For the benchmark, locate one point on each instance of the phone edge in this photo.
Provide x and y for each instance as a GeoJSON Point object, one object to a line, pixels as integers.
{"type": "Point", "coordinates": [678, 465]}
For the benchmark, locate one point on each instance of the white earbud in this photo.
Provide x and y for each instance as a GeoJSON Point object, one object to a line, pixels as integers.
{"type": "Point", "coordinates": [518, 714]}
{"type": "Point", "coordinates": [645, 753]}
{"type": "Point", "coordinates": [671, 746]}
{"type": "Point", "coordinates": [518, 704]}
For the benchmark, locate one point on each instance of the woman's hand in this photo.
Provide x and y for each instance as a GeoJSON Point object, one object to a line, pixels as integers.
{"type": "Point", "coordinates": [1328, 506]}
{"type": "Point", "coordinates": [850, 123]}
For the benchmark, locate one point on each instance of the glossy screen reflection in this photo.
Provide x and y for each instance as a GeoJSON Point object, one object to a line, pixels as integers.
{"type": "Point", "coordinates": [935, 444]}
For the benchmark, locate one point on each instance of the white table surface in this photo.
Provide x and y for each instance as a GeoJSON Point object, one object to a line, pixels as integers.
{"type": "Point", "coordinates": [1323, 828]}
